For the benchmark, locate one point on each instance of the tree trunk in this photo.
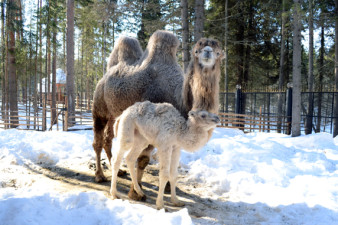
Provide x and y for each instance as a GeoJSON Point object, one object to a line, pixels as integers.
{"type": "Point", "coordinates": [309, 117]}
{"type": "Point", "coordinates": [281, 71]}
{"type": "Point", "coordinates": [3, 52]}
{"type": "Point", "coordinates": [70, 60]}
{"type": "Point", "coordinates": [296, 70]}
{"type": "Point", "coordinates": [239, 47]}
{"type": "Point", "coordinates": [199, 19]}
{"type": "Point", "coordinates": [40, 55]}
{"type": "Point", "coordinates": [185, 33]}
{"type": "Point", "coordinates": [335, 128]}
{"type": "Point", "coordinates": [35, 106]}
{"type": "Point", "coordinates": [12, 81]}
{"type": "Point", "coordinates": [249, 40]}
{"type": "Point", "coordinates": [49, 71]}
{"type": "Point", "coordinates": [53, 111]}
{"type": "Point", "coordinates": [226, 75]}
{"type": "Point", "coordinates": [321, 76]}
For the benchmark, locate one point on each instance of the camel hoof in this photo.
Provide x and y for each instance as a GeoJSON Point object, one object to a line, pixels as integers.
{"type": "Point", "coordinates": [159, 206]}
{"type": "Point", "coordinates": [179, 204]}
{"type": "Point", "coordinates": [134, 196]}
{"type": "Point", "coordinates": [121, 173]}
{"type": "Point", "coordinates": [100, 179]}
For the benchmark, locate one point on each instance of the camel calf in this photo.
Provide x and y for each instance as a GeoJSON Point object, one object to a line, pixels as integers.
{"type": "Point", "coordinates": [162, 126]}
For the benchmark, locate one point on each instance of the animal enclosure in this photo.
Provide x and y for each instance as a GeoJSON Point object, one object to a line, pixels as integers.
{"type": "Point", "coordinates": [259, 114]}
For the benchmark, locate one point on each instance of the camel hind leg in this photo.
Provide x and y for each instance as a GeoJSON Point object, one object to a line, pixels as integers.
{"type": "Point", "coordinates": [108, 138]}
{"type": "Point", "coordinates": [99, 126]}
{"type": "Point", "coordinates": [142, 162]}
{"type": "Point", "coordinates": [131, 158]}
{"type": "Point", "coordinates": [117, 159]}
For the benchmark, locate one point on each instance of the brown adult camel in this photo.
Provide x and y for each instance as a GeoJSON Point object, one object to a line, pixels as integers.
{"type": "Point", "coordinates": [153, 75]}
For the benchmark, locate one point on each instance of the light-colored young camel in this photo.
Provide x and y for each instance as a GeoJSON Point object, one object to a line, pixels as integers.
{"type": "Point", "coordinates": [154, 75]}
{"type": "Point", "coordinates": [162, 126]}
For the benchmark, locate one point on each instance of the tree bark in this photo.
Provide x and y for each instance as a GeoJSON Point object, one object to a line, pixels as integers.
{"type": "Point", "coordinates": [335, 128]}
{"type": "Point", "coordinates": [296, 70]}
{"type": "Point", "coordinates": [70, 60]}
{"type": "Point", "coordinates": [226, 75]}
{"type": "Point", "coordinates": [239, 47]}
{"type": "Point", "coordinates": [199, 19]}
{"type": "Point", "coordinates": [53, 113]}
{"type": "Point", "coordinates": [40, 54]}
{"type": "Point", "coordinates": [249, 41]}
{"type": "Point", "coordinates": [281, 70]}
{"type": "Point", "coordinates": [12, 81]}
{"type": "Point", "coordinates": [309, 117]}
{"type": "Point", "coordinates": [3, 52]}
{"type": "Point", "coordinates": [185, 33]}
{"type": "Point", "coordinates": [321, 75]}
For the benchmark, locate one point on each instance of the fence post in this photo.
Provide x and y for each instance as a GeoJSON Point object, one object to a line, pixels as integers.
{"type": "Point", "coordinates": [65, 126]}
{"type": "Point", "coordinates": [288, 108]}
{"type": "Point", "coordinates": [238, 96]}
{"type": "Point", "coordinates": [238, 103]}
{"type": "Point", "coordinates": [44, 120]}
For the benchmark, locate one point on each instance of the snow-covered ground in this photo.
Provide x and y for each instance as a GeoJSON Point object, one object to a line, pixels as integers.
{"type": "Point", "coordinates": [255, 178]}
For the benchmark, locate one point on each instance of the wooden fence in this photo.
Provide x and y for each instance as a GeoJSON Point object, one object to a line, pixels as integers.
{"type": "Point", "coordinates": [251, 123]}
{"type": "Point", "coordinates": [38, 116]}
{"type": "Point", "coordinates": [248, 111]}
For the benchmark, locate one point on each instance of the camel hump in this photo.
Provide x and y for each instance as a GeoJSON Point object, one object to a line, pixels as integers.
{"type": "Point", "coordinates": [164, 39]}
{"type": "Point", "coordinates": [162, 46]}
{"type": "Point", "coordinates": [127, 50]}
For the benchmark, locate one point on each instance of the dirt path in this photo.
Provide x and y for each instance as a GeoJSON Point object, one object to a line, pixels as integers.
{"type": "Point", "coordinates": [81, 178]}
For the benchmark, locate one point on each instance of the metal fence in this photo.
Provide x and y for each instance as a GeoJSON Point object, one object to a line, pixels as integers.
{"type": "Point", "coordinates": [264, 104]}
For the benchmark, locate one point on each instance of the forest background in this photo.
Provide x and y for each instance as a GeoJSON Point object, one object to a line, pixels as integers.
{"type": "Point", "coordinates": [267, 43]}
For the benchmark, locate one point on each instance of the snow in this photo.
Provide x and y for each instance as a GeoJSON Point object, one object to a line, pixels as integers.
{"type": "Point", "coordinates": [255, 178]}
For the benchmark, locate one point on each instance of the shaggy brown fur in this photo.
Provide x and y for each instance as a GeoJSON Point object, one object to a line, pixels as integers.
{"type": "Point", "coordinates": [201, 84]}
{"type": "Point", "coordinates": [155, 76]}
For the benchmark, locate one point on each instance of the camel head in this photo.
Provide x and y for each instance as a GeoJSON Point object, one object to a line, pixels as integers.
{"type": "Point", "coordinates": [207, 52]}
{"type": "Point", "coordinates": [203, 119]}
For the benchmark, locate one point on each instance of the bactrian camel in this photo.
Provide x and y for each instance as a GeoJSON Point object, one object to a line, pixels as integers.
{"type": "Point", "coordinates": [154, 75]}
{"type": "Point", "coordinates": [162, 126]}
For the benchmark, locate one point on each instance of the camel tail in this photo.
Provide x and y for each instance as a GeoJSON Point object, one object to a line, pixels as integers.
{"type": "Point", "coordinates": [116, 125]}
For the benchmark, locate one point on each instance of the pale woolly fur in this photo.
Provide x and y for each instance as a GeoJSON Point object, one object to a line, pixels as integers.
{"type": "Point", "coordinates": [162, 126]}
{"type": "Point", "coordinates": [135, 76]}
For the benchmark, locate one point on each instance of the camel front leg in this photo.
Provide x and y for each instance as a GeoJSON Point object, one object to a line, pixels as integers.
{"type": "Point", "coordinates": [164, 162]}
{"type": "Point", "coordinates": [175, 160]}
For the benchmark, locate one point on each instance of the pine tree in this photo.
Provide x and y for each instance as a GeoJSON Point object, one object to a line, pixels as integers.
{"type": "Point", "coordinates": [70, 61]}
{"type": "Point", "coordinates": [296, 69]}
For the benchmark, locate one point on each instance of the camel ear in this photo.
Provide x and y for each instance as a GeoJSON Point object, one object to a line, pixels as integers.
{"type": "Point", "coordinates": [192, 114]}
{"type": "Point", "coordinates": [222, 55]}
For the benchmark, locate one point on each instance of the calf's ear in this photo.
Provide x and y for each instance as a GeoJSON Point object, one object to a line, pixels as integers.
{"type": "Point", "coordinates": [192, 113]}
